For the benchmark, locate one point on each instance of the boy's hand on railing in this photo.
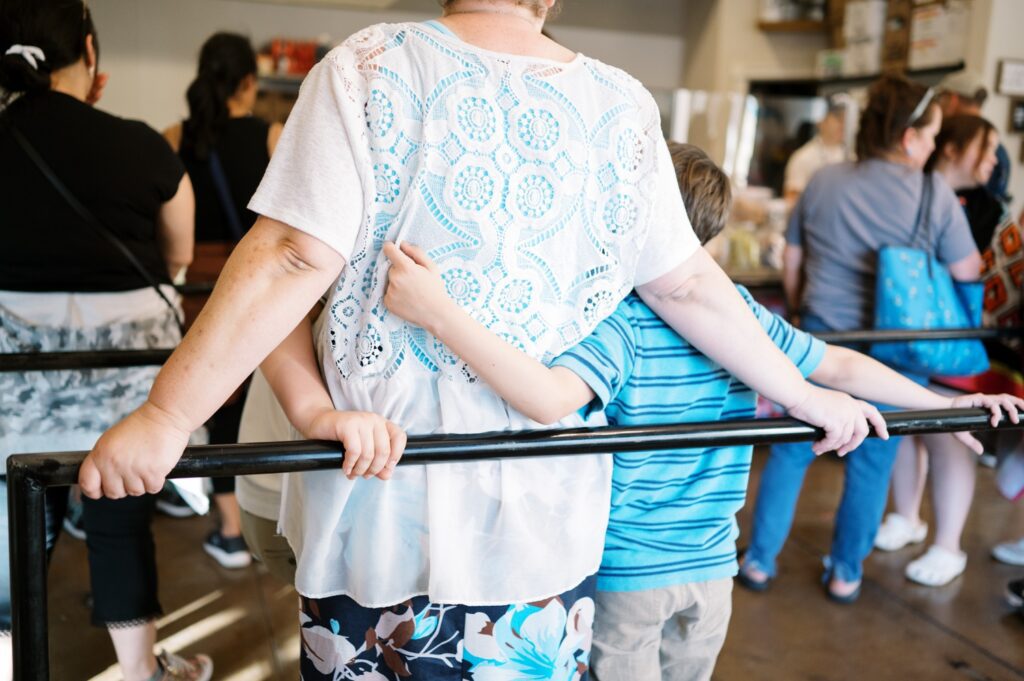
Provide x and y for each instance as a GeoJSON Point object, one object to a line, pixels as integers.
{"type": "Point", "coordinates": [415, 292]}
{"type": "Point", "coordinates": [996, 404]}
{"type": "Point", "coordinates": [134, 457]}
{"type": "Point", "coordinates": [845, 419]}
{"type": "Point", "coordinates": [373, 445]}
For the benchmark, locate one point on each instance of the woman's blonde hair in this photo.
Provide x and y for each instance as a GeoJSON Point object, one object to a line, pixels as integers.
{"type": "Point", "coordinates": [538, 7]}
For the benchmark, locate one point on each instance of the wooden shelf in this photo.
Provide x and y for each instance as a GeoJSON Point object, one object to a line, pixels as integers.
{"type": "Point", "coordinates": [284, 84]}
{"type": "Point", "coordinates": [810, 87]}
{"type": "Point", "coordinates": [796, 26]}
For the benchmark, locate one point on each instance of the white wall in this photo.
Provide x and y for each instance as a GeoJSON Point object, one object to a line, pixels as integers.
{"type": "Point", "coordinates": [726, 49]}
{"type": "Point", "coordinates": [995, 35]}
{"type": "Point", "coordinates": [149, 47]}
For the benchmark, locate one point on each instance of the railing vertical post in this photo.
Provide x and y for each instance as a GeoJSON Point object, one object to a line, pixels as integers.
{"type": "Point", "coordinates": [26, 512]}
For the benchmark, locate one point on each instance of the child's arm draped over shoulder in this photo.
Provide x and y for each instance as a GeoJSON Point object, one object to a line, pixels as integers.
{"type": "Point", "coordinates": [699, 301]}
{"type": "Point", "coordinates": [373, 445]}
{"type": "Point", "coordinates": [416, 294]}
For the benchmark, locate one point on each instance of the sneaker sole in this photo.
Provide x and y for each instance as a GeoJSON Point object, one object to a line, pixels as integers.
{"type": "Point", "coordinates": [174, 511]}
{"type": "Point", "coordinates": [74, 531]}
{"type": "Point", "coordinates": [1006, 559]}
{"type": "Point", "coordinates": [231, 561]}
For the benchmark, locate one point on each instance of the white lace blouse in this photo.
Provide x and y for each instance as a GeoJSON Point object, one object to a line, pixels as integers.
{"type": "Point", "coordinates": [545, 192]}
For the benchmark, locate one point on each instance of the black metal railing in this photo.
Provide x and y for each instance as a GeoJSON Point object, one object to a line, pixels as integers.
{"type": "Point", "coordinates": [29, 475]}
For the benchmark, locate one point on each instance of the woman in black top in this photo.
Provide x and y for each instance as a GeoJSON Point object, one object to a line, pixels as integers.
{"type": "Point", "coordinates": [226, 151]}
{"type": "Point", "coordinates": [65, 286]}
{"type": "Point", "coordinates": [221, 128]}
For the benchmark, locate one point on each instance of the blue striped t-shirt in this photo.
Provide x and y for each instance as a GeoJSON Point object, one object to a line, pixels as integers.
{"type": "Point", "coordinates": [673, 513]}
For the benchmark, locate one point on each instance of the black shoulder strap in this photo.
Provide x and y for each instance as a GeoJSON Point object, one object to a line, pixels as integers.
{"type": "Point", "coordinates": [220, 182]}
{"type": "Point", "coordinates": [922, 224]}
{"type": "Point", "coordinates": [91, 219]}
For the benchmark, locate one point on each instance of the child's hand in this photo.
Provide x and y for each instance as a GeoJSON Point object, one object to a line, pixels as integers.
{"type": "Point", "coordinates": [415, 290]}
{"type": "Point", "coordinates": [844, 419]}
{"type": "Point", "coordinates": [373, 445]}
{"type": "Point", "coordinates": [996, 404]}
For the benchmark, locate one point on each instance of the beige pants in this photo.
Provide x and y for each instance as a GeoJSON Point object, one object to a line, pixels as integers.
{"type": "Point", "coordinates": [268, 546]}
{"type": "Point", "coordinates": [673, 633]}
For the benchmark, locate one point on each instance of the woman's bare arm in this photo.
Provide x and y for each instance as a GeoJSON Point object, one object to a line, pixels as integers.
{"type": "Point", "coordinates": [967, 269]}
{"type": "Point", "coordinates": [176, 228]}
{"type": "Point", "coordinates": [273, 277]}
{"type": "Point", "coordinates": [699, 301]}
{"type": "Point", "coordinates": [793, 276]}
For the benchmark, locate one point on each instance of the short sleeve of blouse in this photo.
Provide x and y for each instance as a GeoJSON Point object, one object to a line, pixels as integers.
{"type": "Point", "coordinates": [157, 161]}
{"type": "Point", "coordinates": [314, 180]}
{"type": "Point", "coordinates": [953, 238]}
{"type": "Point", "coordinates": [670, 238]}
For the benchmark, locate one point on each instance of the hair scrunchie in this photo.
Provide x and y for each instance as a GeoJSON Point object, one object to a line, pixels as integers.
{"type": "Point", "coordinates": [29, 53]}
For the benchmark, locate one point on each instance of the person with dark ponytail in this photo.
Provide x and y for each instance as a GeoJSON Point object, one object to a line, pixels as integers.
{"type": "Point", "coordinates": [226, 151]}
{"type": "Point", "coordinates": [847, 214]}
{"type": "Point", "coordinates": [221, 131]}
{"type": "Point", "coordinates": [98, 218]}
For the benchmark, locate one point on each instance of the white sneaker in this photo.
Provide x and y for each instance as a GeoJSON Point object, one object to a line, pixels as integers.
{"type": "Point", "coordinates": [937, 567]}
{"type": "Point", "coordinates": [177, 668]}
{"type": "Point", "coordinates": [897, 532]}
{"type": "Point", "coordinates": [1011, 552]}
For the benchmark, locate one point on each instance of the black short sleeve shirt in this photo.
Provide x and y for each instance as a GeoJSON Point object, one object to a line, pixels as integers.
{"type": "Point", "coordinates": [121, 170]}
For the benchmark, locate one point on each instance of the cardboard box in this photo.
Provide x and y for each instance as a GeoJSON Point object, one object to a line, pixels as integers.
{"type": "Point", "coordinates": [864, 19]}
{"type": "Point", "coordinates": [863, 57]}
{"type": "Point", "coordinates": [938, 33]}
{"type": "Point", "coordinates": [896, 40]}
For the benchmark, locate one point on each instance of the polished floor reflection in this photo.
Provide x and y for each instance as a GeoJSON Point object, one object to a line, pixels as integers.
{"type": "Point", "coordinates": [897, 631]}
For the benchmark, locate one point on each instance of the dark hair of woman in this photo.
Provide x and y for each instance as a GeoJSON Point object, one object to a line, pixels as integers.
{"type": "Point", "coordinates": [959, 131]}
{"type": "Point", "coordinates": [224, 62]}
{"type": "Point", "coordinates": [57, 28]}
{"type": "Point", "coordinates": [894, 105]}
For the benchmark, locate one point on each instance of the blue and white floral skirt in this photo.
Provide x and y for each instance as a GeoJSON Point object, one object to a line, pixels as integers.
{"type": "Point", "coordinates": [425, 641]}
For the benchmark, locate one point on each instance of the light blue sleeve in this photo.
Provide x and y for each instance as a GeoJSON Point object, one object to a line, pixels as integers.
{"type": "Point", "coordinates": [604, 359]}
{"type": "Point", "coordinates": [803, 349]}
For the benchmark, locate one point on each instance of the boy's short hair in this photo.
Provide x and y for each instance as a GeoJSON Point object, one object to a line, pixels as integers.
{"type": "Point", "coordinates": [706, 191]}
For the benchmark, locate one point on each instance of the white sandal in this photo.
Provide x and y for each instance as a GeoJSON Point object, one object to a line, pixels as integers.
{"type": "Point", "coordinates": [937, 567]}
{"type": "Point", "coordinates": [897, 532]}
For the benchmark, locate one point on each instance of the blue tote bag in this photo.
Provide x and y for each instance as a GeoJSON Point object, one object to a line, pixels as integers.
{"type": "Point", "coordinates": [914, 291]}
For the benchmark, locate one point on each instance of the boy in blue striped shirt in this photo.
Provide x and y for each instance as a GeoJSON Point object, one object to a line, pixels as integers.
{"type": "Point", "coordinates": [665, 581]}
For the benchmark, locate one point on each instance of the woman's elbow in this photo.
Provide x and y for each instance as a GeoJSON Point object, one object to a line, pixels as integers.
{"type": "Point", "coordinates": [967, 269]}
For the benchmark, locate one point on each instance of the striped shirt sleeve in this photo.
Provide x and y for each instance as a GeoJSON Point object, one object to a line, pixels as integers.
{"type": "Point", "coordinates": [604, 359]}
{"type": "Point", "coordinates": [803, 349]}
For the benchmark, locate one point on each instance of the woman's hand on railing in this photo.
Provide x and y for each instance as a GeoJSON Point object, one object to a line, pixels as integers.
{"type": "Point", "coordinates": [845, 420]}
{"type": "Point", "coordinates": [996, 404]}
{"type": "Point", "coordinates": [373, 445]}
{"type": "Point", "coordinates": [134, 457]}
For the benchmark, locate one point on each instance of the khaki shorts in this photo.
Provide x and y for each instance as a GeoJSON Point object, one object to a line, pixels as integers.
{"type": "Point", "coordinates": [673, 634]}
{"type": "Point", "coordinates": [268, 546]}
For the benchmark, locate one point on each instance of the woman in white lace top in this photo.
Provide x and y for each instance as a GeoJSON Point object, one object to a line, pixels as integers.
{"type": "Point", "coordinates": [539, 181]}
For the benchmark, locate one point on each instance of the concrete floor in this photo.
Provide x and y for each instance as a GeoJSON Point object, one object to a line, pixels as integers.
{"type": "Point", "coordinates": [964, 632]}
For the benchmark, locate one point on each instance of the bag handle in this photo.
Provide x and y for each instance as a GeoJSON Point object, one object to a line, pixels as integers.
{"type": "Point", "coordinates": [923, 219]}
{"type": "Point", "coordinates": [220, 182]}
{"type": "Point", "coordinates": [87, 216]}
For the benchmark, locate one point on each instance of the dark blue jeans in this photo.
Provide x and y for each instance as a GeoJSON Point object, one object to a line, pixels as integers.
{"type": "Point", "coordinates": [865, 490]}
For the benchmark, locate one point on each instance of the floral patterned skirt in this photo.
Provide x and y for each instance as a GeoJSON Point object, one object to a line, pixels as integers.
{"type": "Point", "coordinates": [426, 641]}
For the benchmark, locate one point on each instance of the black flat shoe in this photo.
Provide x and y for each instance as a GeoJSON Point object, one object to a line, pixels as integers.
{"type": "Point", "coordinates": [849, 599]}
{"type": "Point", "coordinates": [752, 584]}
